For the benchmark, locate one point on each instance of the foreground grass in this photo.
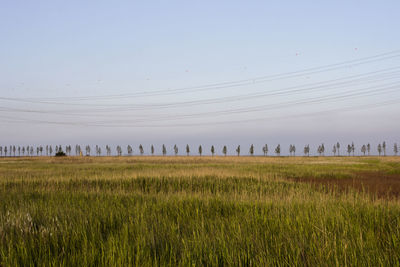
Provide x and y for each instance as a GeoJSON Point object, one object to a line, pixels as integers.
{"type": "Point", "coordinates": [194, 211]}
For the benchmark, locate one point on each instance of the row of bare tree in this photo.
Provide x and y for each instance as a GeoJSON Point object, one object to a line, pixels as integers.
{"type": "Point", "coordinates": [13, 150]}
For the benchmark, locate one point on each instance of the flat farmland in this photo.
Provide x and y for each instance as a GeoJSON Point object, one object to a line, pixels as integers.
{"type": "Point", "coordinates": [180, 211]}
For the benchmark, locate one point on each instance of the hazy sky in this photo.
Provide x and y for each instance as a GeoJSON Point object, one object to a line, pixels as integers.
{"type": "Point", "coordinates": [199, 72]}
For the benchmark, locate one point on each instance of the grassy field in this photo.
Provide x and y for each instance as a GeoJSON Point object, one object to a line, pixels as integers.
{"type": "Point", "coordinates": [147, 211]}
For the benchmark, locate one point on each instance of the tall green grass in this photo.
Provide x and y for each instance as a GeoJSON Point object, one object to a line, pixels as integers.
{"type": "Point", "coordinates": [191, 211]}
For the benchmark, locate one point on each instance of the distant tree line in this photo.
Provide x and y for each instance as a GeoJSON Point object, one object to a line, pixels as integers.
{"type": "Point", "coordinates": [48, 150]}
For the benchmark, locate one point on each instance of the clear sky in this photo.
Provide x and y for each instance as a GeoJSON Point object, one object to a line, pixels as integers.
{"type": "Point", "coordinates": [199, 72]}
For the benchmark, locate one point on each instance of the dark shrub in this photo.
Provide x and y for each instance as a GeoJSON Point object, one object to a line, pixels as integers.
{"type": "Point", "coordinates": [60, 154]}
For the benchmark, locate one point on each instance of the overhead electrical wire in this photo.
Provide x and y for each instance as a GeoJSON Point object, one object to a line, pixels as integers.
{"type": "Point", "coordinates": [354, 85]}
{"type": "Point", "coordinates": [340, 95]}
{"type": "Point", "coordinates": [372, 90]}
{"type": "Point", "coordinates": [354, 80]}
{"type": "Point", "coordinates": [222, 85]}
{"type": "Point", "coordinates": [317, 113]}
{"type": "Point", "coordinates": [316, 100]}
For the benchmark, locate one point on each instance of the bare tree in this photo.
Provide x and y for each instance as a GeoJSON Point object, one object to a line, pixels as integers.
{"type": "Point", "coordinates": [212, 150]}
{"type": "Point", "coordinates": [369, 149]}
{"type": "Point", "coordinates": [380, 149]}
{"type": "Point", "coordinates": [119, 151]}
{"type": "Point", "coordinates": [129, 150]}
{"type": "Point", "coordinates": [187, 150]}
{"type": "Point", "coordinates": [69, 149]}
{"type": "Point", "coordinates": [338, 148]}
{"type": "Point", "coordinates": [278, 150]}
{"type": "Point", "coordinates": [321, 150]}
{"type": "Point", "coordinates": [224, 150]}
{"type": "Point", "coordinates": [108, 150]}
{"type": "Point", "coordinates": [334, 150]}
{"type": "Point", "coordinates": [50, 150]}
{"type": "Point", "coordinates": [5, 151]}
{"type": "Point", "coordinates": [349, 149]}
{"type": "Point", "coordinates": [292, 150]}
{"type": "Point", "coordinates": [238, 150]}
{"type": "Point", "coordinates": [87, 150]}
{"type": "Point", "coordinates": [352, 148]}
{"type": "Point", "coordinates": [307, 150]}
{"type": "Point", "coordinates": [265, 150]}
{"type": "Point", "coordinates": [164, 150]}
{"type": "Point", "coordinates": [1, 151]}
{"type": "Point", "coordinates": [364, 149]}
{"type": "Point", "coordinates": [141, 150]}
{"type": "Point", "coordinates": [251, 150]}
{"type": "Point", "coordinates": [176, 150]}
{"type": "Point", "coordinates": [395, 149]}
{"type": "Point", "coordinates": [384, 148]}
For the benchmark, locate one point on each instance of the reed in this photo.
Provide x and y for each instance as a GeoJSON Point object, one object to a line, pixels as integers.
{"type": "Point", "coordinates": [179, 211]}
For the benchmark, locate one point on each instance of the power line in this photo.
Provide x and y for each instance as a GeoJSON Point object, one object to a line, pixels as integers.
{"type": "Point", "coordinates": [343, 82]}
{"type": "Point", "coordinates": [354, 80]}
{"type": "Point", "coordinates": [348, 109]}
{"type": "Point", "coordinates": [373, 90]}
{"type": "Point", "coordinates": [222, 85]}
